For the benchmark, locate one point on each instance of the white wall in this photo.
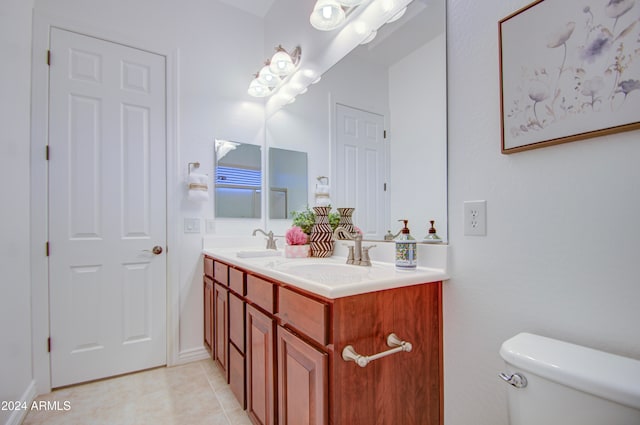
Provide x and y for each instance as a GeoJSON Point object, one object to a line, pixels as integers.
{"type": "Point", "coordinates": [418, 124]}
{"type": "Point", "coordinates": [15, 301]}
{"type": "Point", "coordinates": [561, 254]}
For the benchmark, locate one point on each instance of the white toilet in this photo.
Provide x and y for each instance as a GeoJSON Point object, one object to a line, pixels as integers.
{"type": "Point", "coordinates": [557, 383]}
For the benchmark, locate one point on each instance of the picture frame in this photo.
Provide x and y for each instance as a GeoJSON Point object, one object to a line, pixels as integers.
{"type": "Point", "coordinates": [569, 70]}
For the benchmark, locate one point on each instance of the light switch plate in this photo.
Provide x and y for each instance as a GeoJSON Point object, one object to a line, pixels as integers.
{"type": "Point", "coordinates": [192, 225]}
{"type": "Point", "coordinates": [475, 218]}
{"type": "Point", "coordinates": [209, 225]}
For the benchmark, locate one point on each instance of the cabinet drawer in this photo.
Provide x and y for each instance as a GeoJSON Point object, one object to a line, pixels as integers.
{"type": "Point", "coordinates": [208, 267]}
{"type": "Point", "coordinates": [260, 292]}
{"type": "Point", "coordinates": [303, 314]}
{"type": "Point", "coordinates": [236, 321]}
{"type": "Point", "coordinates": [221, 272]}
{"type": "Point", "coordinates": [236, 281]}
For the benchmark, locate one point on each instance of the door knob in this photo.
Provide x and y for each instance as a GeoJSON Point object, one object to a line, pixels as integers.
{"type": "Point", "coordinates": [157, 250]}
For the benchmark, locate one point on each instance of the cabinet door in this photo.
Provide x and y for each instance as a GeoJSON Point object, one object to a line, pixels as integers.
{"type": "Point", "coordinates": [221, 326]}
{"type": "Point", "coordinates": [302, 382]}
{"type": "Point", "coordinates": [208, 315]}
{"type": "Point", "coordinates": [260, 367]}
{"type": "Point", "coordinates": [236, 374]}
{"type": "Point", "coordinates": [236, 321]}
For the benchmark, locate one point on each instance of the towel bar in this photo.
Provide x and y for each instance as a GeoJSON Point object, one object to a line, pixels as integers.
{"type": "Point", "coordinates": [349, 353]}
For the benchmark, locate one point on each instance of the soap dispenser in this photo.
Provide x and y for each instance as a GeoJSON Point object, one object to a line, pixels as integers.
{"type": "Point", "coordinates": [406, 249]}
{"type": "Point", "coordinates": [432, 236]}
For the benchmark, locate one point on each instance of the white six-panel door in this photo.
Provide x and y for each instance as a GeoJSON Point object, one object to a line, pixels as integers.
{"type": "Point", "coordinates": [107, 200]}
{"type": "Point", "coordinates": [361, 160]}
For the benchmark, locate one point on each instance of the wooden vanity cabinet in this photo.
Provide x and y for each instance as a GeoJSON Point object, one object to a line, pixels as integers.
{"type": "Point", "coordinates": [303, 381]}
{"type": "Point", "coordinates": [208, 304]}
{"type": "Point", "coordinates": [261, 389]}
{"type": "Point", "coordinates": [208, 314]}
{"type": "Point", "coordinates": [237, 307]}
{"type": "Point", "coordinates": [221, 326]}
{"type": "Point", "coordinates": [292, 350]}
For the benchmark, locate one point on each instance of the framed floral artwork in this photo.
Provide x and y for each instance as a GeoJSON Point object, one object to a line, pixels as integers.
{"type": "Point", "coordinates": [569, 70]}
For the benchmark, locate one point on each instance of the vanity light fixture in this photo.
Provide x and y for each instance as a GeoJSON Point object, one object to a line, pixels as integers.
{"type": "Point", "coordinates": [328, 15]}
{"type": "Point", "coordinates": [274, 72]}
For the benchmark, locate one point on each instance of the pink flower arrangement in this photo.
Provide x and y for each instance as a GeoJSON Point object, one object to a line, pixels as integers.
{"type": "Point", "coordinates": [295, 236]}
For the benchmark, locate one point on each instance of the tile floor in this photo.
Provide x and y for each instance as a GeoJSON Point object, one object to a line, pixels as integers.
{"type": "Point", "coordinates": [191, 394]}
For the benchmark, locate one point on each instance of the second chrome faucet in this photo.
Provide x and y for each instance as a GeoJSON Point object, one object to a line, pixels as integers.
{"type": "Point", "coordinates": [271, 242]}
{"type": "Point", "coordinates": [358, 255]}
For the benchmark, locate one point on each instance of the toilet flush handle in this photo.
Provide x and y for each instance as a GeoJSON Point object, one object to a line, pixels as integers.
{"type": "Point", "coordinates": [517, 380]}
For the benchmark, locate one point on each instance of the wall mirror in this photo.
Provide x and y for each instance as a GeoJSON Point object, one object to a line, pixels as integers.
{"type": "Point", "coordinates": [400, 77]}
{"type": "Point", "coordinates": [288, 179]}
{"type": "Point", "coordinates": [238, 179]}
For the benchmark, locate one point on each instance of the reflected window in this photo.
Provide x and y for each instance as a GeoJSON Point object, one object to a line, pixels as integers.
{"type": "Point", "coordinates": [238, 180]}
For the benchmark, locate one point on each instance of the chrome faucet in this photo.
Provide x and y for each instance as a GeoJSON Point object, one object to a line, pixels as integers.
{"type": "Point", "coordinates": [357, 254]}
{"type": "Point", "coordinates": [271, 242]}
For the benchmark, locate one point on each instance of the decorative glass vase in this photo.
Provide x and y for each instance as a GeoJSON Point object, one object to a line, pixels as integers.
{"type": "Point", "coordinates": [321, 234]}
{"type": "Point", "coordinates": [346, 222]}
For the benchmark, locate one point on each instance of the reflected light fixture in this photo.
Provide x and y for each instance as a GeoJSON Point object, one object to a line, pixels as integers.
{"type": "Point", "coordinates": [268, 78]}
{"type": "Point", "coordinates": [350, 3]}
{"type": "Point", "coordinates": [274, 72]}
{"type": "Point", "coordinates": [283, 63]}
{"type": "Point", "coordinates": [258, 89]}
{"type": "Point", "coordinates": [397, 16]}
{"type": "Point", "coordinates": [370, 37]}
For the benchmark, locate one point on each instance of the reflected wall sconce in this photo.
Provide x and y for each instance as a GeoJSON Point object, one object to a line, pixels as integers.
{"type": "Point", "coordinates": [274, 72]}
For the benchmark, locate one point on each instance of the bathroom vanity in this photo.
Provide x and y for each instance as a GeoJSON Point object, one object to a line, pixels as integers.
{"type": "Point", "coordinates": [277, 328]}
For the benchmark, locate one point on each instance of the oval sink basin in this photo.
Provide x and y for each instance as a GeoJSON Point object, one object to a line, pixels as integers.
{"type": "Point", "coordinates": [258, 253]}
{"type": "Point", "coordinates": [325, 272]}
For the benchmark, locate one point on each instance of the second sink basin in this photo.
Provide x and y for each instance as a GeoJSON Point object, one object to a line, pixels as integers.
{"type": "Point", "coordinates": [324, 272]}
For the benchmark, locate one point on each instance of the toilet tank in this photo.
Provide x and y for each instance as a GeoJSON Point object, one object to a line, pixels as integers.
{"type": "Point", "coordinates": [567, 384]}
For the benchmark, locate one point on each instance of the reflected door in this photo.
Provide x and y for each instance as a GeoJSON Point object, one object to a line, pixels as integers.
{"type": "Point", "coordinates": [107, 217]}
{"type": "Point", "coordinates": [361, 164]}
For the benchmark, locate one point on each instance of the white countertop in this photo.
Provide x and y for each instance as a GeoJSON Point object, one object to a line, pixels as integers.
{"type": "Point", "coordinates": [330, 277]}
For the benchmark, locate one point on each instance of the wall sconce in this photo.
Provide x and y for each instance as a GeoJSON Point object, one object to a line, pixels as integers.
{"type": "Point", "coordinates": [274, 72]}
{"type": "Point", "coordinates": [328, 15]}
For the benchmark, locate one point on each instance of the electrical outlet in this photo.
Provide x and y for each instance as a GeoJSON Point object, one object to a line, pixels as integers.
{"type": "Point", "coordinates": [475, 218]}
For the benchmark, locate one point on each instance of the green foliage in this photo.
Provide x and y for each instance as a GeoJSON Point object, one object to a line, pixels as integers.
{"type": "Point", "coordinates": [334, 220]}
{"type": "Point", "coordinates": [306, 219]}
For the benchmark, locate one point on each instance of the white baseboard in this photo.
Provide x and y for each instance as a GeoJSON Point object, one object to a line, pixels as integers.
{"type": "Point", "coordinates": [192, 355]}
{"type": "Point", "coordinates": [27, 398]}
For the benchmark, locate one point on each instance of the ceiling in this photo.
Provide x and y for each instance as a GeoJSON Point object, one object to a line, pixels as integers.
{"type": "Point", "coordinates": [423, 21]}
{"type": "Point", "coordinates": [255, 7]}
